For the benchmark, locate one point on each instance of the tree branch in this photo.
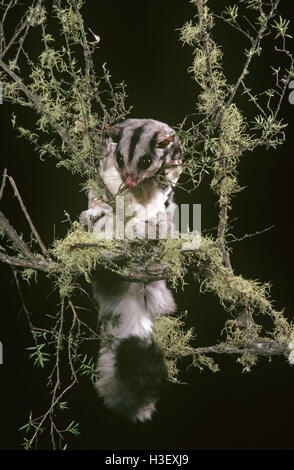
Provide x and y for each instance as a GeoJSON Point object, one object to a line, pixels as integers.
{"type": "Point", "coordinates": [14, 237]}
{"type": "Point", "coordinates": [33, 229]}
{"type": "Point", "coordinates": [39, 107]}
{"type": "Point", "coordinates": [260, 347]}
{"type": "Point", "coordinates": [35, 263]}
{"type": "Point", "coordinates": [254, 47]}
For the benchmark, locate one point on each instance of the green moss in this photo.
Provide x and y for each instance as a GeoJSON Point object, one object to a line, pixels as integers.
{"type": "Point", "coordinates": [91, 185]}
{"type": "Point", "coordinates": [62, 101]}
{"type": "Point", "coordinates": [28, 274]}
{"type": "Point", "coordinates": [283, 331]}
{"type": "Point", "coordinates": [171, 256]}
{"type": "Point", "coordinates": [247, 360]}
{"type": "Point", "coordinates": [69, 19]}
{"type": "Point", "coordinates": [171, 335]}
{"type": "Point", "coordinates": [202, 360]}
{"type": "Point", "coordinates": [79, 261]}
{"type": "Point", "coordinates": [36, 15]}
{"type": "Point", "coordinates": [233, 291]}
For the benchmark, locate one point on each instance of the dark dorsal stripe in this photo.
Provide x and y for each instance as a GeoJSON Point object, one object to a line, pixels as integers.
{"type": "Point", "coordinates": [134, 140]}
{"type": "Point", "coordinates": [153, 141]}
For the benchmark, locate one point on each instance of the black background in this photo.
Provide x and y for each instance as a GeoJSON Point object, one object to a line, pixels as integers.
{"type": "Point", "coordinates": [226, 410]}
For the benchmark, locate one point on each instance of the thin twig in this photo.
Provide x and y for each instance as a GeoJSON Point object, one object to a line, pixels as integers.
{"type": "Point", "coordinates": [49, 412]}
{"type": "Point", "coordinates": [14, 237]}
{"type": "Point", "coordinates": [33, 228]}
{"type": "Point", "coordinates": [3, 183]}
{"type": "Point", "coordinates": [35, 263]}
{"type": "Point", "coordinates": [40, 107]}
{"type": "Point", "coordinates": [221, 236]}
{"type": "Point", "coordinates": [254, 48]}
{"type": "Point", "coordinates": [69, 342]}
{"type": "Point", "coordinates": [250, 235]}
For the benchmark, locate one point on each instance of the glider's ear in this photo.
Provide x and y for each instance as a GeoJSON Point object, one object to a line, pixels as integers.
{"type": "Point", "coordinates": [164, 141]}
{"type": "Point", "coordinates": [113, 132]}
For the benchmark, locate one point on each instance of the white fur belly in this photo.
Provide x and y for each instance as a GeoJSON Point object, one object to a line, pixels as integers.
{"type": "Point", "coordinates": [159, 299]}
{"type": "Point", "coordinates": [129, 310]}
{"type": "Point", "coordinates": [135, 309]}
